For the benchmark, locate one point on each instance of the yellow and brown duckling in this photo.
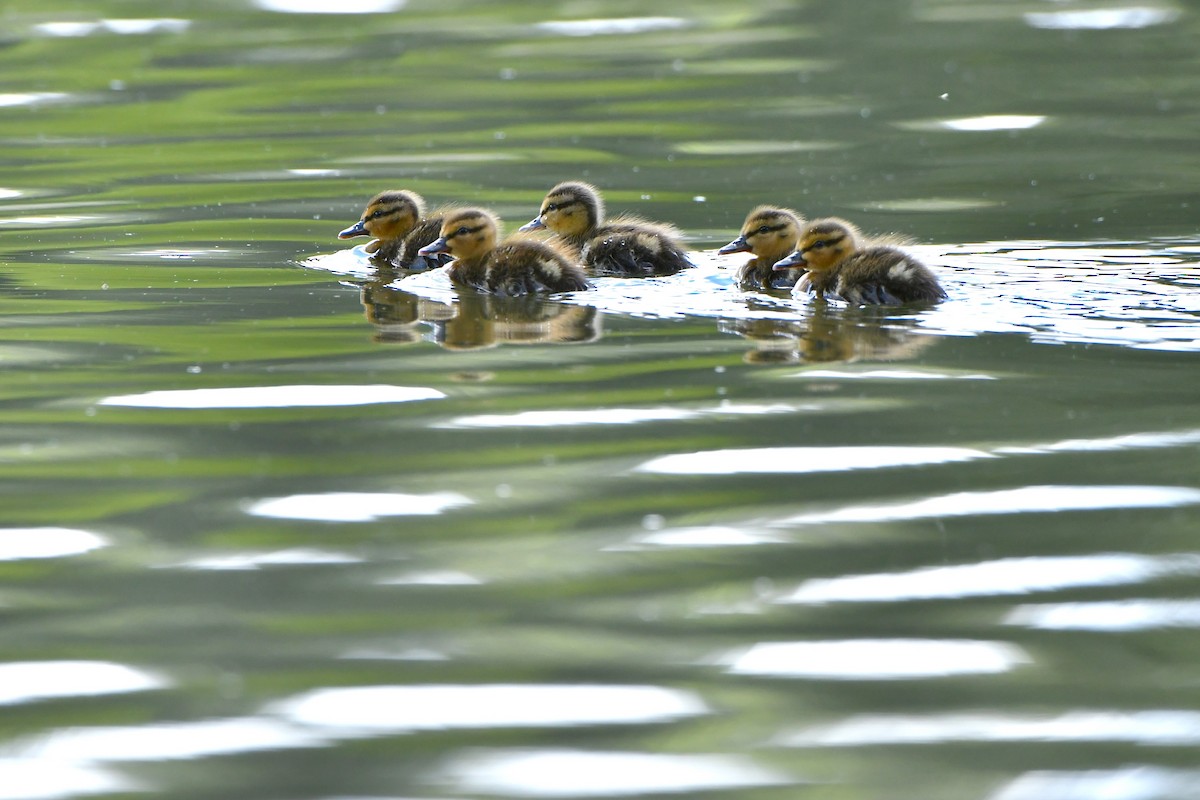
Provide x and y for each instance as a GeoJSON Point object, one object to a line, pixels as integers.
{"type": "Point", "coordinates": [771, 234]}
{"type": "Point", "coordinates": [626, 246]}
{"type": "Point", "coordinates": [397, 220]}
{"type": "Point", "coordinates": [841, 263]}
{"type": "Point", "coordinates": [518, 265]}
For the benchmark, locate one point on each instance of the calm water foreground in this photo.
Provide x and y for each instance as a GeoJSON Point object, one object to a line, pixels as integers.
{"type": "Point", "coordinates": [279, 525]}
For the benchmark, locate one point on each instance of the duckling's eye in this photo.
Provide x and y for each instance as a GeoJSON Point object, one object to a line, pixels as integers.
{"type": "Point", "coordinates": [821, 245]}
{"type": "Point", "coordinates": [550, 208]}
{"type": "Point", "coordinates": [463, 231]}
{"type": "Point", "coordinates": [764, 229]}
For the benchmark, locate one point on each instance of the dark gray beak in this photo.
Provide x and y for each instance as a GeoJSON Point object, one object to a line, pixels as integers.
{"type": "Point", "coordinates": [738, 245]}
{"type": "Point", "coordinates": [356, 229]}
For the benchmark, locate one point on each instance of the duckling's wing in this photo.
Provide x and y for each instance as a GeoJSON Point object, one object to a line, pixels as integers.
{"type": "Point", "coordinates": [633, 249]}
{"type": "Point", "coordinates": [426, 232]}
{"type": "Point", "coordinates": [887, 276]}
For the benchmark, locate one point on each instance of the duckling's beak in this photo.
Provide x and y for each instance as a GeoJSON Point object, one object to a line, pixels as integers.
{"type": "Point", "coordinates": [435, 247]}
{"type": "Point", "coordinates": [534, 224]}
{"type": "Point", "coordinates": [796, 259]}
{"type": "Point", "coordinates": [738, 245]}
{"type": "Point", "coordinates": [356, 229]}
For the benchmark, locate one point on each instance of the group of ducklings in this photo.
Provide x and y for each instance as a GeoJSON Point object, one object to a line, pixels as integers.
{"type": "Point", "coordinates": [827, 256]}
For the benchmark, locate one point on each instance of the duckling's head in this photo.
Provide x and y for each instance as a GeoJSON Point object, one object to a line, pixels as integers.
{"type": "Point", "coordinates": [389, 215]}
{"type": "Point", "coordinates": [570, 209]}
{"type": "Point", "coordinates": [823, 244]}
{"type": "Point", "coordinates": [466, 233]}
{"type": "Point", "coordinates": [767, 232]}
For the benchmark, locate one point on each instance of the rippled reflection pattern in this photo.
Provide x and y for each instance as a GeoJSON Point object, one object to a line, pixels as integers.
{"type": "Point", "coordinates": [400, 709]}
{"type": "Point", "coordinates": [573, 773]}
{"type": "Point", "coordinates": [356, 506]}
{"type": "Point", "coordinates": [20, 543]}
{"type": "Point", "coordinates": [29, 681]}
{"type": "Point", "coordinates": [786, 460]}
{"type": "Point", "coordinates": [274, 397]}
{"type": "Point", "coordinates": [1005, 576]}
{"type": "Point", "coordinates": [1154, 728]}
{"type": "Point", "coordinates": [876, 659]}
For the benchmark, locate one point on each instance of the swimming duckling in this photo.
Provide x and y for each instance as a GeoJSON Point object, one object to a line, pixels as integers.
{"type": "Point", "coordinates": [770, 234]}
{"type": "Point", "coordinates": [396, 218]}
{"type": "Point", "coordinates": [627, 246]}
{"type": "Point", "coordinates": [841, 263]}
{"type": "Point", "coordinates": [518, 265]}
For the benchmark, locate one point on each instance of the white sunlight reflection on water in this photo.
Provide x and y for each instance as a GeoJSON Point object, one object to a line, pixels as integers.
{"type": "Point", "coordinates": [1003, 577]}
{"type": "Point", "coordinates": [996, 122]}
{"type": "Point", "coordinates": [164, 741]}
{"type": "Point", "coordinates": [1135, 782]}
{"type": "Point", "coordinates": [8, 99]}
{"type": "Point", "coordinates": [613, 26]}
{"type": "Point", "coordinates": [69, 29]}
{"type": "Point", "coordinates": [356, 506]}
{"type": "Point", "coordinates": [790, 460]}
{"type": "Point", "coordinates": [299, 396]}
{"type": "Point", "coordinates": [1113, 615]}
{"type": "Point", "coordinates": [1164, 728]}
{"type": "Point", "coordinates": [35, 779]}
{"type": "Point", "coordinates": [619, 416]}
{"type": "Point", "coordinates": [29, 681]}
{"type": "Point", "coordinates": [1102, 18]}
{"type": "Point", "coordinates": [253, 561]}
{"type": "Point", "coordinates": [432, 578]}
{"type": "Point", "coordinates": [1023, 500]}
{"type": "Point", "coordinates": [331, 6]}
{"type": "Point", "coordinates": [20, 543]}
{"type": "Point", "coordinates": [365, 710]}
{"type": "Point", "coordinates": [875, 659]}
{"type": "Point", "coordinates": [576, 773]}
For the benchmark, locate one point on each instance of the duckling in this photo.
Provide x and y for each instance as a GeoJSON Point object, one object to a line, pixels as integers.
{"type": "Point", "coordinates": [396, 218]}
{"type": "Point", "coordinates": [518, 265]}
{"type": "Point", "coordinates": [770, 234]}
{"type": "Point", "coordinates": [627, 246]}
{"type": "Point", "coordinates": [841, 263]}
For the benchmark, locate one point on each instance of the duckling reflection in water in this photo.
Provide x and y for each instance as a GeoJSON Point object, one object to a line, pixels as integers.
{"type": "Point", "coordinates": [842, 264]}
{"type": "Point", "coordinates": [518, 265]}
{"type": "Point", "coordinates": [771, 234]}
{"type": "Point", "coordinates": [396, 218]}
{"type": "Point", "coordinates": [626, 246]}
{"type": "Point", "coordinates": [829, 334]}
{"type": "Point", "coordinates": [396, 315]}
{"type": "Point", "coordinates": [489, 321]}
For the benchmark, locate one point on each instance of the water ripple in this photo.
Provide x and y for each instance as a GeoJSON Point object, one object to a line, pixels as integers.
{"type": "Point", "coordinates": [1146, 727]}
{"type": "Point", "coordinates": [1002, 577]}
{"type": "Point", "coordinates": [1114, 615]}
{"type": "Point", "coordinates": [794, 460]}
{"type": "Point", "coordinates": [573, 773]}
{"type": "Point", "coordinates": [307, 396]}
{"type": "Point", "coordinates": [28, 681]}
{"type": "Point", "coordinates": [20, 543]}
{"type": "Point", "coordinates": [165, 741]}
{"type": "Point", "coordinates": [876, 659]}
{"type": "Point", "coordinates": [364, 710]}
{"type": "Point", "coordinates": [34, 779]}
{"type": "Point", "coordinates": [356, 506]}
{"type": "Point", "coordinates": [1136, 782]}
{"type": "Point", "coordinates": [1022, 500]}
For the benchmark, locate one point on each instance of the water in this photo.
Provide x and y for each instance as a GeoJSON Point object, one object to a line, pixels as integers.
{"type": "Point", "coordinates": [278, 525]}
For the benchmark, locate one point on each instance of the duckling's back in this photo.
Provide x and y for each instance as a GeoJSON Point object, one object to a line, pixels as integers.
{"type": "Point", "coordinates": [632, 247]}
{"type": "Point", "coordinates": [883, 275]}
{"type": "Point", "coordinates": [525, 265]}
